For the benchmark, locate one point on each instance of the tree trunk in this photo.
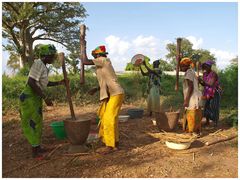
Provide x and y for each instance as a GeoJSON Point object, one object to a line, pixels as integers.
{"type": "Point", "coordinates": [21, 64]}
{"type": "Point", "coordinates": [26, 43]}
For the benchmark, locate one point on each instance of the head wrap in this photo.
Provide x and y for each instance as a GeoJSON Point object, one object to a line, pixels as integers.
{"type": "Point", "coordinates": [186, 62]}
{"type": "Point", "coordinates": [42, 50]}
{"type": "Point", "coordinates": [99, 50]}
{"type": "Point", "coordinates": [208, 62]}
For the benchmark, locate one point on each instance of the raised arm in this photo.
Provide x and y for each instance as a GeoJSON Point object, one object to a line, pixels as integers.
{"type": "Point", "coordinates": [143, 73]}
{"type": "Point", "coordinates": [150, 70]}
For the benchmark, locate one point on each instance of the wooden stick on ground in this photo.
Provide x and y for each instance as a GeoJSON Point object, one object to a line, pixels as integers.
{"type": "Point", "coordinates": [45, 162]}
{"type": "Point", "coordinates": [220, 140]}
{"type": "Point", "coordinates": [52, 152]}
{"type": "Point", "coordinates": [71, 160]}
{"type": "Point", "coordinates": [215, 132]}
{"type": "Point", "coordinates": [76, 154]}
{"type": "Point", "coordinates": [124, 135]}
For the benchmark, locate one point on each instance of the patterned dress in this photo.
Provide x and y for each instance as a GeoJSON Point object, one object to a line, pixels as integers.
{"type": "Point", "coordinates": [153, 100]}
{"type": "Point", "coordinates": [213, 94]}
{"type": "Point", "coordinates": [31, 104]}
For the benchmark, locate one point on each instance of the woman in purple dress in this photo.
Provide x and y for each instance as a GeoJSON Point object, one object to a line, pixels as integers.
{"type": "Point", "coordinates": [211, 92]}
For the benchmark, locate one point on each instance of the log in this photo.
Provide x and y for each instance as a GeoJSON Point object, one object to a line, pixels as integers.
{"type": "Point", "coordinates": [61, 57]}
{"type": "Point", "coordinates": [220, 140]}
{"type": "Point", "coordinates": [83, 54]}
{"type": "Point", "coordinates": [178, 58]}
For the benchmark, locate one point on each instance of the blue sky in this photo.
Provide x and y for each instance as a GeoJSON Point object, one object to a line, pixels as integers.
{"type": "Point", "coordinates": [129, 28]}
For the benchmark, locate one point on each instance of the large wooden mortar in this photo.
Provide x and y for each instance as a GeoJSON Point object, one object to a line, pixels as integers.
{"type": "Point", "coordinates": [167, 121]}
{"type": "Point", "coordinates": [77, 131]}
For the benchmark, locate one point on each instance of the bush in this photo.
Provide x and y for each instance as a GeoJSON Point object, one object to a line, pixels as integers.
{"type": "Point", "coordinates": [229, 83]}
{"type": "Point", "coordinates": [232, 118]}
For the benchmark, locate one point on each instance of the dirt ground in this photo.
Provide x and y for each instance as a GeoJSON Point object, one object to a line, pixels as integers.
{"type": "Point", "coordinates": [143, 152]}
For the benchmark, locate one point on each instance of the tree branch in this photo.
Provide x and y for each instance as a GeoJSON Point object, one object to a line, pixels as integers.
{"type": "Point", "coordinates": [50, 39]}
{"type": "Point", "coordinates": [13, 8]}
{"type": "Point", "coordinates": [14, 38]}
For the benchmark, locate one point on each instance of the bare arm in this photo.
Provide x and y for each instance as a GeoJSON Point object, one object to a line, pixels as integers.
{"type": "Point", "coordinates": [93, 90]}
{"type": "Point", "coordinates": [50, 83]}
{"type": "Point", "coordinates": [150, 70]}
{"type": "Point", "coordinates": [32, 83]}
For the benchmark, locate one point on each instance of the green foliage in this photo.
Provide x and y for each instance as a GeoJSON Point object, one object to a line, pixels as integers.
{"type": "Point", "coordinates": [134, 85]}
{"type": "Point", "coordinates": [11, 89]}
{"type": "Point", "coordinates": [13, 61]}
{"type": "Point", "coordinates": [56, 21]}
{"type": "Point", "coordinates": [231, 118]}
{"type": "Point", "coordinates": [229, 82]}
{"type": "Point", "coordinates": [24, 71]}
{"type": "Point", "coordinates": [188, 51]}
{"type": "Point", "coordinates": [165, 66]}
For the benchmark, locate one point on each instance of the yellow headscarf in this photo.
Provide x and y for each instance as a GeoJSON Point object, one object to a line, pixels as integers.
{"type": "Point", "coordinates": [186, 62]}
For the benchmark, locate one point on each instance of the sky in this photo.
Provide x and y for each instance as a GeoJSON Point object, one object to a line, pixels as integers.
{"type": "Point", "coordinates": [128, 28]}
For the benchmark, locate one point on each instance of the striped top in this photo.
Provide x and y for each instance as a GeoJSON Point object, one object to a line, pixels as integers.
{"type": "Point", "coordinates": [39, 72]}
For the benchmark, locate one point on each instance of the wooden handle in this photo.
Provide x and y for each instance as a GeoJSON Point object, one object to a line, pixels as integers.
{"type": "Point", "coordinates": [83, 54]}
{"type": "Point", "coordinates": [178, 50]}
{"type": "Point", "coordinates": [61, 57]}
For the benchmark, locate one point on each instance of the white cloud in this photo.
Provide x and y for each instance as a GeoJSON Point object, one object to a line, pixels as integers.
{"type": "Point", "coordinates": [146, 45]}
{"type": "Point", "coordinates": [121, 51]}
{"type": "Point", "coordinates": [116, 46]}
{"type": "Point", "coordinates": [197, 42]}
{"type": "Point", "coordinates": [223, 57]}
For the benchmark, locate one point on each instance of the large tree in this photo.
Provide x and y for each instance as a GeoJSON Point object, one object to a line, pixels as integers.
{"type": "Point", "coordinates": [188, 51]}
{"type": "Point", "coordinates": [25, 22]}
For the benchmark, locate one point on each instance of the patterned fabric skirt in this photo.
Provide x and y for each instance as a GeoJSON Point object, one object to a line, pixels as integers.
{"type": "Point", "coordinates": [153, 101]}
{"type": "Point", "coordinates": [108, 114]}
{"type": "Point", "coordinates": [194, 118]}
{"type": "Point", "coordinates": [31, 115]}
{"type": "Point", "coordinates": [211, 108]}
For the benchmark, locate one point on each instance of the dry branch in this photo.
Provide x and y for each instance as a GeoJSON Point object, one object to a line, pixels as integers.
{"type": "Point", "coordinates": [76, 154]}
{"type": "Point", "coordinates": [52, 152]}
{"type": "Point", "coordinates": [220, 140]}
{"type": "Point", "coordinates": [45, 162]}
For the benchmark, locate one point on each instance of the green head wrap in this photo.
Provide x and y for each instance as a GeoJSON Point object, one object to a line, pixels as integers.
{"type": "Point", "coordinates": [42, 50]}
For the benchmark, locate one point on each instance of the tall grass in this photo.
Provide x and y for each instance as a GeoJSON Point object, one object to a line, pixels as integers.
{"type": "Point", "coordinates": [134, 85]}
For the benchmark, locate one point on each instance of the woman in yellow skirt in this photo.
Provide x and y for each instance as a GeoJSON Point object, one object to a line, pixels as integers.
{"type": "Point", "coordinates": [192, 98]}
{"type": "Point", "coordinates": [111, 97]}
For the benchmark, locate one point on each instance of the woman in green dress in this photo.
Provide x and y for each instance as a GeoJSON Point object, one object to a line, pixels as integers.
{"type": "Point", "coordinates": [153, 100]}
{"type": "Point", "coordinates": [32, 97]}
